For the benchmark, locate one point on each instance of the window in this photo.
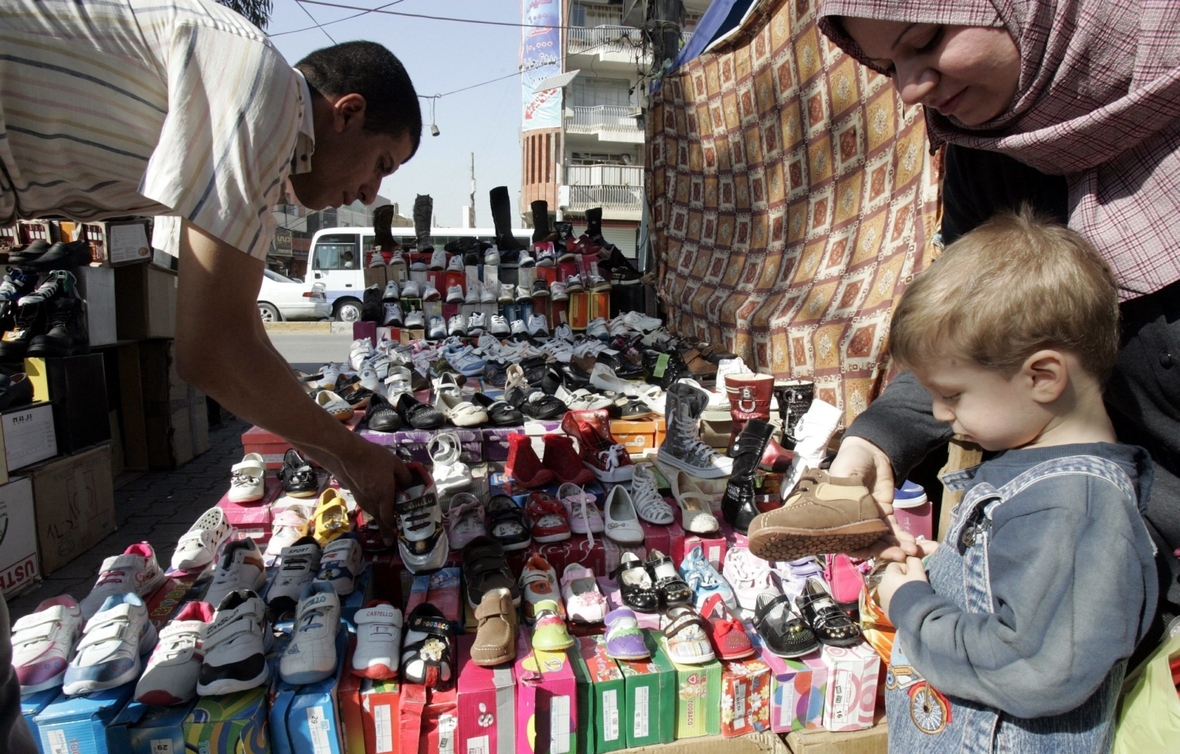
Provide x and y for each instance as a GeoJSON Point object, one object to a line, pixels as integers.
{"type": "Point", "coordinates": [595, 15]}
{"type": "Point", "coordinates": [590, 92]}
{"type": "Point", "coordinates": [336, 252]}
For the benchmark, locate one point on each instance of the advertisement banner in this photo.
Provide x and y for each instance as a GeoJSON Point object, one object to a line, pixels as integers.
{"type": "Point", "coordinates": [540, 57]}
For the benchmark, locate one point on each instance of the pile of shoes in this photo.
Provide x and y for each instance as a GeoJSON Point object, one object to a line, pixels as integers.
{"type": "Point", "coordinates": [41, 312]}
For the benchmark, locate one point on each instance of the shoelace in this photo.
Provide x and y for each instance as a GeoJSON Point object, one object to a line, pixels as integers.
{"type": "Point", "coordinates": [693, 444]}
{"type": "Point", "coordinates": [611, 457]}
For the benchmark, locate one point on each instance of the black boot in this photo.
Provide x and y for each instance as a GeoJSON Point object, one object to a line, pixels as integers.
{"type": "Point", "coordinates": [502, 219]}
{"type": "Point", "coordinates": [793, 402]}
{"type": "Point", "coordinates": [30, 322]}
{"type": "Point", "coordinates": [371, 309]}
{"type": "Point", "coordinates": [423, 216]}
{"type": "Point", "coordinates": [738, 504]}
{"type": "Point", "coordinates": [541, 232]}
{"type": "Point", "coordinates": [383, 227]}
{"type": "Point", "coordinates": [565, 234]}
{"type": "Point", "coordinates": [594, 225]}
{"type": "Point", "coordinates": [65, 330]}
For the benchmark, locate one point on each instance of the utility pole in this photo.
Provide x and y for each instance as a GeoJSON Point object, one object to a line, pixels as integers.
{"type": "Point", "coordinates": [664, 18]}
{"type": "Point", "coordinates": [471, 207]}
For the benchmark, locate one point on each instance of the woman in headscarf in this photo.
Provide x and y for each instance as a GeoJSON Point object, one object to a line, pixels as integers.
{"type": "Point", "coordinates": [1072, 106]}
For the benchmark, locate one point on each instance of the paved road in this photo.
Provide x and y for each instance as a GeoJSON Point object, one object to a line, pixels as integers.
{"type": "Point", "coordinates": [306, 350]}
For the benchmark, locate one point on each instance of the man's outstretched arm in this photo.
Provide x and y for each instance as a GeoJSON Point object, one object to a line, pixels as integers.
{"type": "Point", "coordinates": [222, 349]}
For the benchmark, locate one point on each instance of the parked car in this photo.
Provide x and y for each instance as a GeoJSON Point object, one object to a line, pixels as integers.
{"type": "Point", "coordinates": [281, 298]}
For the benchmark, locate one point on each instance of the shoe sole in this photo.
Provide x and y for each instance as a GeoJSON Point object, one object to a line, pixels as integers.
{"type": "Point", "coordinates": [620, 474]}
{"type": "Point", "coordinates": [699, 473]}
{"type": "Point", "coordinates": [52, 683]}
{"type": "Point", "coordinates": [231, 685]}
{"type": "Point", "coordinates": [785, 543]}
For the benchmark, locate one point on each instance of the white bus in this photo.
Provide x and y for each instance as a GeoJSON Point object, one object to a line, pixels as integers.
{"type": "Point", "coordinates": [338, 257]}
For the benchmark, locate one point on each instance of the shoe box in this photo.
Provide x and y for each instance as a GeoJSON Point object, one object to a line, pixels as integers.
{"type": "Point", "coordinates": [32, 705]}
{"type": "Point", "coordinates": [307, 718]}
{"type": "Point", "coordinates": [713, 546]}
{"type": "Point", "coordinates": [486, 705]}
{"type": "Point", "coordinates": [851, 696]}
{"type": "Point", "coordinates": [74, 501]}
{"type": "Point", "coordinates": [116, 243]}
{"type": "Point", "coordinates": [698, 703]}
{"type": "Point", "coordinates": [180, 587]}
{"type": "Point", "coordinates": [495, 442]}
{"type": "Point", "coordinates": [440, 589]}
{"type": "Point", "coordinates": [716, 426]}
{"type": "Point", "coordinates": [536, 429]}
{"type": "Point", "coordinates": [797, 689]}
{"type": "Point", "coordinates": [27, 436]}
{"type": "Point", "coordinates": [417, 442]}
{"type": "Point", "coordinates": [145, 302]}
{"type": "Point", "coordinates": [272, 447]}
{"type": "Point", "coordinates": [650, 686]}
{"type": "Point", "coordinates": [546, 701]}
{"type": "Point", "coordinates": [228, 723]}
{"type": "Point", "coordinates": [369, 714]}
{"type": "Point", "coordinates": [78, 724]}
{"type": "Point", "coordinates": [667, 538]}
{"type": "Point", "coordinates": [253, 519]}
{"type": "Point", "coordinates": [638, 435]}
{"type": "Point", "coordinates": [428, 720]}
{"type": "Point", "coordinates": [175, 418]}
{"type": "Point", "coordinates": [745, 696]}
{"type": "Point", "coordinates": [143, 729]}
{"type": "Point", "coordinates": [19, 564]}
{"type": "Point", "coordinates": [601, 697]}
{"type": "Point", "coordinates": [77, 389]}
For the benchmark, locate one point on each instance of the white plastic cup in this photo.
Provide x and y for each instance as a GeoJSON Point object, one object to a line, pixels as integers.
{"type": "Point", "coordinates": [912, 510]}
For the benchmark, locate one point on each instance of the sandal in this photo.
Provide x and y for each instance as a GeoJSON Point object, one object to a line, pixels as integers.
{"type": "Point", "coordinates": [673, 591]}
{"type": "Point", "coordinates": [450, 474]}
{"type": "Point", "coordinates": [484, 569]}
{"type": "Point", "coordinates": [782, 632]}
{"type": "Point", "coordinates": [448, 399]}
{"type": "Point", "coordinates": [426, 658]}
{"type": "Point", "coordinates": [584, 601]}
{"type": "Point", "coordinates": [624, 640]}
{"type": "Point", "coordinates": [686, 637]}
{"type": "Point", "coordinates": [550, 633]}
{"type": "Point", "coordinates": [831, 625]}
{"type": "Point", "coordinates": [635, 585]}
{"type": "Point", "coordinates": [331, 517]}
{"type": "Point", "coordinates": [506, 523]}
{"type": "Point", "coordinates": [730, 641]}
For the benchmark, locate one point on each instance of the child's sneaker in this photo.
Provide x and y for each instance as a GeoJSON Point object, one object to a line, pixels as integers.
{"type": "Point", "coordinates": [135, 571]}
{"type": "Point", "coordinates": [43, 641]}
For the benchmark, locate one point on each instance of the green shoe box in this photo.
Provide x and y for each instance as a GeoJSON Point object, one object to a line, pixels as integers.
{"type": "Point", "coordinates": [649, 711]}
{"type": "Point", "coordinates": [698, 698]}
{"type": "Point", "coordinates": [601, 697]}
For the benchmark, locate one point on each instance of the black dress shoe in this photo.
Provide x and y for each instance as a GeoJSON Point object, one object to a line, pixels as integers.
{"type": "Point", "coordinates": [15, 391]}
{"type": "Point", "coordinates": [417, 414]}
{"type": "Point", "coordinates": [298, 477]}
{"type": "Point", "coordinates": [62, 256]}
{"type": "Point", "coordinates": [500, 413]}
{"type": "Point", "coordinates": [381, 416]}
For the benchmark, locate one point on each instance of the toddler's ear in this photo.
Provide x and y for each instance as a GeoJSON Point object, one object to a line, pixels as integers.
{"type": "Point", "coordinates": [1048, 372]}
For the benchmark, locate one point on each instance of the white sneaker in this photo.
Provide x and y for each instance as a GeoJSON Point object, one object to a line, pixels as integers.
{"type": "Point", "coordinates": [538, 327]}
{"type": "Point", "coordinates": [42, 643]}
{"type": "Point", "coordinates": [370, 381]}
{"type": "Point", "coordinates": [455, 294]}
{"type": "Point", "coordinates": [564, 333]}
{"type": "Point", "coordinates": [412, 289]}
{"type": "Point", "coordinates": [582, 508]}
{"type": "Point", "coordinates": [235, 645]}
{"type": "Point", "coordinates": [507, 293]}
{"type": "Point", "coordinates": [248, 479]}
{"type": "Point", "coordinates": [287, 527]}
{"type": "Point", "coordinates": [108, 655]}
{"type": "Point", "coordinates": [477, 323]}
{"type": "Point", "coordinates": [399, 381]}
{"type": "Point", "coordinates": [597, 283]}
{"type": "Point", "coordinates": [415, 320]}
{"type": "Point", "coordinates": [170, 676]}
{"type": "Point", "coordinates": [311, 655]}
{"type": "Point", "coordinates": [419, 265]}
{"type": "Point", "coordinates": [392, 292]}
{"type": "Point", "coordinates": [486, 294]}
{"type": "Point", "coordinates": [341, 565]}
{"type": "Point", "coordinates": [491, 257]}
{"type": "Point", "coordinates": [378, 641]}
{"type": "Point", "coordinates": [392, 314]}
{"type": "Point", "coordinates": [457, 326]}
{"type": "Point", "coordinates": [526, 259]}
{"type": "Point", "coordinates": [360, 350]}
{"type": "Point", "coordinates": [455, 264]}
{"type": "Point", "coordinates": [596, 328]}
{"type": "Point", "coordinates": [519, 328]}
{"type": "Point", "coordinates": [472, 296]}
{"type": "Point", "coordinates": [523, 295]}
{"type": "Point", "coordinates": [573, 284]}
{"type": "Point", "coordinates": [299, 565]}
{"type": "Point", "coordinates": [545, 258]}
{"type": "Point", "coordinates": [438, 328]}
{"type": "Point", "coordinates": [557, 291]}
{"type": "Point", "coordinates": [422, 542]}
{"type": "Point", "coordinates": [500, 325]}
{"type": "Point", "coordinates": [135, 571]}
{"type": "Point", "coordinates": [622, 523]}
{"type": "Point", "coordinates": [198, 547]}
{"type": "Point", "coordinates": [649, 505]}
{"type": "Point", "coordinates": [240, 567]}
{"type": "Point", "coordinates": [438, 260]}
{"type": "Point", "coordinates": [641, 322]}
{"type": "Point", "coordinates": [430, 293]}
{"type": "Point", "coordinates": [329, 373]}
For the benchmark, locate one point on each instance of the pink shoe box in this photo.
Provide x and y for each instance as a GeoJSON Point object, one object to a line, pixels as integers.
{"type": "Point", "coordinates": [417, 442]}
{"type": "Point", "coordinates": [272, 447]}
{"type": "Point", "coordinates": [797, 689]}
{"type": "Point", "coordinates": [178, 589]}
{"type": "Point", "coordinates": [735, 540]}
{"type": "Point", "coordinates": [486, 705]}
{"type": "Point", "coordinates": [601, 697]}
{"type": "Point", "coordinates": [365, 330]}
{"type": "Point", "coordinates": [546, 701]}
{"type": "Point", "coordinates": [427, 720]}
{"type": "Point", "coordinates": [495, 442]}
{"type": "Point", "coordinates": [745, 696]}
{"type": "Point", "coordinates": [853, 674]}
{"type": "Point", "coordinates": [380, 713]}
{"type": "Point", "coordinates": [536, 430]}
{"type": "Point", "coordinates": [348, 701]}
{"type": "Point", "coordinates": [667, 538]}
{"type": "Point", "coordinates": [440, 589]}
{"type": "Point", "coordinates": [714, 548]}
{"type": "Point", "coordinates": [253, 519]}
{"type": "Point", "coordinates": [614, 598]}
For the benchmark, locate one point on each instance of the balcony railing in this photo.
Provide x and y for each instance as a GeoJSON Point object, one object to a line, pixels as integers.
{"type": "Point", "coordinates": [588, 120]}
{"type": "Point", "coordinates": [604, 175]}
{"type": "Point", "coordinates": [610, 198]}
{"type": "Point", "coordinates": [603, 39]}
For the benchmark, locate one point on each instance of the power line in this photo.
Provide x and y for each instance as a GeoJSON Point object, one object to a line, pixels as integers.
{"type": "Point", "coordinates": [317, 23]}
{"type": "Point", "coordinates": [337, 21]}
{"type": "Point", "coordinates": [437, 18]}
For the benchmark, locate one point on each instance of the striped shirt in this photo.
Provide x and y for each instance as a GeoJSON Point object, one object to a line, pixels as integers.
{"type": "Point", "coordinates": [124, 107]}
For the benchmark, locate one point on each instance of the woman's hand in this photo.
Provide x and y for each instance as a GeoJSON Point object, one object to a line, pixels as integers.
{"type": "Point", "coordinates": [859, 457]}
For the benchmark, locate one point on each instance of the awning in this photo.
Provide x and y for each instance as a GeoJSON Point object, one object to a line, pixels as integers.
{"type": "Point", "coordinates": [555, 82]}
{"type": "Point", "coordinates": [722, 20]}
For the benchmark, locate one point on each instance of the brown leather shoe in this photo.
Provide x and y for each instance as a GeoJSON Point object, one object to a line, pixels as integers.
{"type": "Point", "coordinates": [822, 514]}
{"type": "Point", "coordinates": [495, 639]}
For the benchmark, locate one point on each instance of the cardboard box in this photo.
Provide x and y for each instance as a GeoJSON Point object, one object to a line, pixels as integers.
{"type": "Point", "coordinates": [96, 285]}
{"type": "Point", "coordinates": [76, 387]}
{"type": "Point", "coordinates": [602, 695]}
{"type": "Point", "coordinates": [19, 564]}
{"type": "Point", "coordinates": [715, 428]}
{"type": "Point", "coordinates": [745, 696]}
{"type": "Point", "coordinates": [267, 444]}
{"type": "Point", "coordinates": [28, 436]}
{"type": "Point", "coordinates": [667, 538]}
{"type": "Point", "coordinates": [874, 740]}
{"type": "Point", "coordinates": [650, 710]}
{"type": "Point", "coordinates": [546, 701]}
{"type": "Point", "coordinates": [698, 701]}
{"type": "Point", "coordinates": [579, 310]}
{"type": "Point", "coordinates": [78, 724]}
{"type": "Point", "coordinates": [229, 724]}
{"type": "Point", "coordinates": [145, 302]}
{"type": "Point", "coordinates": [253, 519]}
{"type": "Point", "coordinates": [638, 436]}
{"type": "Point", "coordinates": [851, 698]}
{"type": "Point", "coordinates": [74, 499]}
{"type": "Point", "coordinates": [380, 712]}
{"type": "Point", "coordinates": [143, 729]}
{"type": "Point", "coordinates": [428, 720]}
{"type": "Point", "coordinates": [376, 276]}
{"type": "Point", "coordinates": [119, 243]}
{"type": "Point", "coordinates": [31, 706]}
{"type": "Point", "coordinates": [176, 423]}
{"type": "Point", "coordinates": [486, 705]}
{"type": "Point", "coordinates": [797, 688]}
{"type": "Point", "coordinates": [440, 589]}
{"type": "Point", "coordinates": [306, 718]}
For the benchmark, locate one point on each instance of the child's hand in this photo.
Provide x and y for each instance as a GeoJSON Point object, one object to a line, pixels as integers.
{"type": "Point", "coordinates": [897, 574]}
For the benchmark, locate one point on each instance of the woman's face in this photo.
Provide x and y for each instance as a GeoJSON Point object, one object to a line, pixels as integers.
{"type": "Point", "coordinates": [966, 72]}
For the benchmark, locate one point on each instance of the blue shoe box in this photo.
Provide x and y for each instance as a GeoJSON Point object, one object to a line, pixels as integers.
{"type": "Point", "coordinates": [307, 718]}
{"type": "Point", "coordinates": [143, 729]}
{"type": "Point", "coordinates": [31, 706]}
{"type": "Point", "coordinates": [79, 724]}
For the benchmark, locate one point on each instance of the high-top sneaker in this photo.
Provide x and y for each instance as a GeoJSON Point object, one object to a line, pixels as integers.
{"type": "Point", "coordinates": [422, 542]}
{"type": "Point", "coordinates": [29, 321]}
{"type": "Point", "coordinates": [738, 503]}
{"type": "Point", "coordinates": [57, 284]}
{"type": "Point", "coordinates": [601, 453]}
{"type": "Point", "coordinates": [65, 333]}
{"type": "Point", "coordinates": [16, 284]}
{"type": "Point", "coordinates": [565, 241]}
{"type": "Point", "coordinates": [682, 447]}
{"type": "Point", "coordinates": [371, 309]}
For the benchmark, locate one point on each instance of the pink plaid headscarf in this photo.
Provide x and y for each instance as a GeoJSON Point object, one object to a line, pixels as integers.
{"type": "Point", "coordinates": [1098, 101]}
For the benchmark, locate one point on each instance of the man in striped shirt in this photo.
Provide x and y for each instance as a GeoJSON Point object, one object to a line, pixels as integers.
{"type": "Point", "coordinates": [181, 108]}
